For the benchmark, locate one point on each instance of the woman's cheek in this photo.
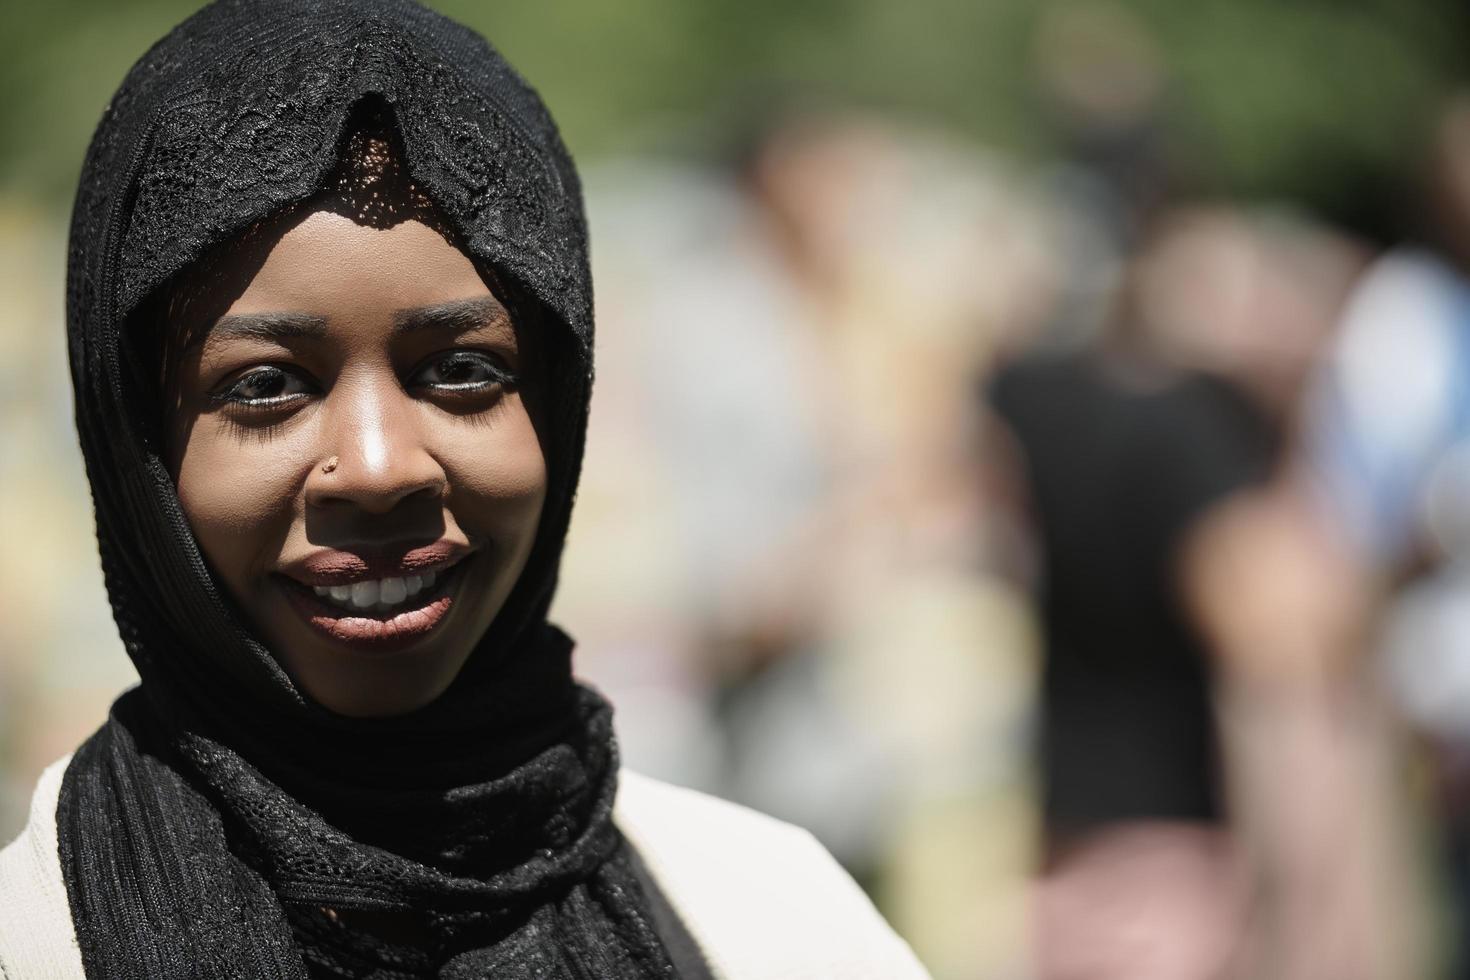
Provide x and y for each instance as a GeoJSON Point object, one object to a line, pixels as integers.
{"type": "Point", "coordinates": [239, 495]}
{"type": "Point", "coordinates": [499, 475]}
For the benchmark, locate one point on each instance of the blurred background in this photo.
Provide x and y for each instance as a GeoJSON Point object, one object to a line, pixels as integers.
{"type": "Point", "coordinates": [1031, 449]}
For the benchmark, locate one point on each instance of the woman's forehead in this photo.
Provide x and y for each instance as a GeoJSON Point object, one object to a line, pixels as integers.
{"type": "Point", "coordinates": [330, 264]}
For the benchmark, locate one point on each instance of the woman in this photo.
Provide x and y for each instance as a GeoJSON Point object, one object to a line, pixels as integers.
{"type": "Point", "coordinates": [330, 333]}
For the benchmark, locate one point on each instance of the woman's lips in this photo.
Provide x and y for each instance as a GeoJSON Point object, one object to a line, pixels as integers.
{"type": "Point", "coordinates": [389, 619]}
{"type": "Point", "coordinates": [328, 567]}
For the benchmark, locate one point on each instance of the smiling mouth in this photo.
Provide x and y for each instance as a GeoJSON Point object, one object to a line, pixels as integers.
{"type": "Point", "coordinates": [377, 614]}
{"type": "Point", "coordinates": [379, 597]}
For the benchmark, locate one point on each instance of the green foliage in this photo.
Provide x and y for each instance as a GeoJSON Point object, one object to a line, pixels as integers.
{"type": "Point", "coordinates": [1302, 97]}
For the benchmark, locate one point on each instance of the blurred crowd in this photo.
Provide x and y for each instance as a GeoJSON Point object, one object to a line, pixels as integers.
{"type": "Point", "coordinates": [1073, 549]}
{"type": "Point", "coordinates": [1081, 554]}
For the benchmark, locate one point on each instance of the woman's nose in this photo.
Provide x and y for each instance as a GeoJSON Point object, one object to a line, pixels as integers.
{"type": "Point", "coordinates": [373, 455]}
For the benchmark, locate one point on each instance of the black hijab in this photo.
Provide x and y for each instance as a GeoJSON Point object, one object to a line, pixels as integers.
{"type": "Point", "coordinates": [218, 823]}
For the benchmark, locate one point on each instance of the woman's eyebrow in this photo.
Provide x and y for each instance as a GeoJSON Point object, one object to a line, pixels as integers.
{"type": "Point", "coordinates": [263, 326]}
{"type": "Point", "coordinates": [458, 315]}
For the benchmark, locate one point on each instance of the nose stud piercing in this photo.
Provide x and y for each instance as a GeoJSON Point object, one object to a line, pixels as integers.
{"type": "Point", "coordinates": [329, 465]}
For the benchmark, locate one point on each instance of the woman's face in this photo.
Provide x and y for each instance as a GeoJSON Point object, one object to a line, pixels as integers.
{"type": "Point", "coordinates": [354, 450]}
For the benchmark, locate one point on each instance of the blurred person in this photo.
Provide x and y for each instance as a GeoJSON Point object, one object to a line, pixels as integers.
{"type": "Point", "coordinates": [1249, 298]}
{"type": "Point", "coordinates": [1387, 442]}
{"type": "Point", "coordinates": [331, 357]}
{"type": "Point", "coordinates": [822, 310]}
{"type": "Point", "coordinates": [1103, 90]}
{"type": "Point", "coordinates": [917, 259]}
{"type": "Point", "coordinates": [1129, 454]}
{"type": "Point", "coordinates": [1314, 772]}
{"type": "Point", "coordinates": [1250, 295]}
{"type": "Point", "coordinates": [1120, 453]}
{"type": "Point", "coordinates": [702, 452]}
{"type": "Point", "coordinates": [1389, 407]}
{"type": "Point", "coordinates": [1311, 766]}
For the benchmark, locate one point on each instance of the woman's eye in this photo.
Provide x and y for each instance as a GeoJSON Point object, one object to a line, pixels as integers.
{"type": "Point", "coordinates": [264, 387]}
{"type": "Point", "coordinates": [462, 371]}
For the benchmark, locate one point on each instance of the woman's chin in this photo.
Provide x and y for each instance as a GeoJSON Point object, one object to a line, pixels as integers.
{"type": "Point", "coordinates": [376, 687]}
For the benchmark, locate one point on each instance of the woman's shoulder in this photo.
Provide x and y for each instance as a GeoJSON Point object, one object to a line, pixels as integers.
{"type": "Point", "coordinates": [762, 898]}
{"type": "Point", "coordinates": [36, 934]}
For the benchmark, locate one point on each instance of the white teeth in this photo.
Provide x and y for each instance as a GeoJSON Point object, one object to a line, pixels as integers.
{"type": "Point", "coordinates": [392, 591]}
{"type": "Point", "coordinates": [364, 594]}
{"type": "Point", "coordinates": [379, 596]}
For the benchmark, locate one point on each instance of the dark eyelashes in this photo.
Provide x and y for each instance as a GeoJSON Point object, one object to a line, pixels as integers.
{"type": "Point", "coordinates": [266, 377]}
{"type": "Point", "coordinates": [266, 388]}
{"type": "Point", "coordinates": [463, 371]}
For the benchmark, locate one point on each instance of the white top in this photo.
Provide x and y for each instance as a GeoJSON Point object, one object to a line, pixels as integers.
{"type": "Point", "coordinates": [763, 900]}
{"type": "Point", "coordinates": [1391, 404]}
